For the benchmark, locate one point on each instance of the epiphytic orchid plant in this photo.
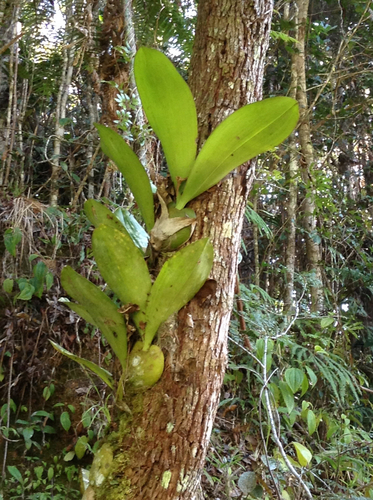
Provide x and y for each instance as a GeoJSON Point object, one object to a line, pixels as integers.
{"type": "Point", "coordinates": [119, 242]}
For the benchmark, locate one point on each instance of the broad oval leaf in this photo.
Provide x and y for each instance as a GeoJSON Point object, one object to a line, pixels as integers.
{"type": "Point", "coordinates": [247, 482]}
{"type": "Point", "coordinates": [13, 470]}
{"type": "Point", "coordinates": [287, 396]}
{"type": "Point", "coordinates": [169, 107]}
{"type": "Point", "coordinates": [122, 265]}
{"type": "Point", "coordinates": [178, 281]}
{"type": "Point", "coordinates": [294, 377]}
{"type": "Point", "coordinates": [65, 420]}
{"type": "Point", "coordinates": [304, 455]}
{"type": "Point", "coordinates": [311, 422]}
{"type": "Point", "coordinates": [81, 446]}
{"type": "Point", "coordinates": [102, 310]}
{"type": "Point", "coordinates": [246, 133]}
{"type": "Point", "coordinates": [104, 375]}
{"type": "Point", "coordinates": [116, 148]}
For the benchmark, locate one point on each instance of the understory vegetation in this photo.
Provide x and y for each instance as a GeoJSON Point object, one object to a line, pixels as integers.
{"type": "Point", "coordinates": [296, 410]}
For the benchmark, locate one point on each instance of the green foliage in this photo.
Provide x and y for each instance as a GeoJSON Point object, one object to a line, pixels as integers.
{"type": "Point", "coordinates": [170, 109]}
{"type": "Point", "coordinates": [12, 237]}
{"type": "Point", "coordinates": [102, 310]}
{"type": "Point", "coordinates": [100, 372]}
{"type": "Point", "coordinates": [178, 281]}
{"type": "Point", "coordinates": [246, 133]}
{"type": "Point", "coordinates": [127, 162]}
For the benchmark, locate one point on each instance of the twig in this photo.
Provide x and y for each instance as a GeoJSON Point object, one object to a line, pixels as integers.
{"type": "Point", "coordinates": [273, 425]}
{"type": "Point", "coordinates": [247, 352]}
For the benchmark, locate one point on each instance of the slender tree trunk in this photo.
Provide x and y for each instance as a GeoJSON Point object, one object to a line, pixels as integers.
{"type": "Point", "coordinates": [11, 115]}
{"type": "Point", "coordinates": [140, 146]}
{"type": "Point", "coordinates": [256, 245]}
{"type": "Point", "coordinates": [307, 161]}
{"type": "Point", "coordinates": [161, 447]}
{"type": "Point", "coordinates": [292, 203]}
{"type": "Point", "coordinates": [63, 94]}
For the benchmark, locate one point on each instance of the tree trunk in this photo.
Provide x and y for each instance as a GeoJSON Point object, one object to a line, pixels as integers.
{"type": "Point", "coordinates": [292, 202]}
{"type": "Point", "coordinates": [308, 208]}
{"type": "Point", "coordinates": [160, 449]}
{"type": "Point", "coordinates": [62, 97]}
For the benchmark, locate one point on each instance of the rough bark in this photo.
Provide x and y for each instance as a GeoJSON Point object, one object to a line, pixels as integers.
{"type": "Point", "coordinates": [308, 206]}
{"type": "Point", "coordinates": [162, 445]}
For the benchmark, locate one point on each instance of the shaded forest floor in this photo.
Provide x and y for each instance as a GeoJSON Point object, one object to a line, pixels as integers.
{"type": "Point", "coordinates": [53, 414]}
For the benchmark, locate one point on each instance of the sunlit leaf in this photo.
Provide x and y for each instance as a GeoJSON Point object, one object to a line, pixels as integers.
{"type": "Point", "coordinates": [169, 107]}
{"type": "Point", "coordinates": [249, 131]}
{"type": "Point", "coordinates": [116, 148]}
{"type": "Point", "coordinates": [178, 281]}
{"type": "Point", "coordinates": [100, 372]}
{"type": "Point", "coordinates": [81, 446]}
{"type": "Point", "coordinates": [122, 265]}
{"type": "Point", "coordinates": [304, 455]}
{"type": "Point", "coordinates": [138, 234]}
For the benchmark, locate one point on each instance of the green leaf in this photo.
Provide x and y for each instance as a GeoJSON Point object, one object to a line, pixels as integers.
{"type": "Point", "coordinates": [305, 385]}
{"type": "Point", "coordinates": [81, 446]}
{"type": "Point", "coordinates": [65, 420]}
{"type": "Point", "coordinates": [178, 281]}
{"type": "Point", "coordinates": [8, 285]}
{"type": "Point", "coordinates": [304, 456]}
{"type": "Point", "coordinates": [40, 271]}
{"type": "Point", "coordinates": [139, 236]}
{"type": "Point", "coordinates": [48, 280]}
{"type": "Point", "coordinates": [11, 239]}
{"type": "Point", "coordinates": [287, 396]}
{"type": "Point", "coordinates": [27, 290]}
{"type": "Point", "coordinates": [13, 471]}
{"type": "Point", "coordinates": [50, 473]}
{"type": "Point", "coordinates": [247, 482]}
{"type": "Point", "coordinates": [115, 147]}
{"type": "Point", "coordinates": [311, 422]}
{"type": "Point", "coordinates": [325, 322]}
{"type": "Point", "coordinates": [294, 377]}
{"type": "Point", "coordinates": [122, 265]}
{"type": "Point", "coordinates": [27, 435]}
{"type": "Point", "coordinates": [170, 109]}
{"type": "Point", "coordinates": [312, 375]}
{"type": "Point", "coordinates": [246, 133]}
{"type": "Point", "coordinates": [79, 309]}
{"type": "Point", "coordinates": [100, 372]}
{"type": "Point", "coordinates": [102, 310]}
{"type": "Point", "coordinates": [69, 456]}
{"type": "Point", "coordinates": [98, 214]}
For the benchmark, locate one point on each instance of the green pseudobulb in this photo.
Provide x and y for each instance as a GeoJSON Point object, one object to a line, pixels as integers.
{"type": "Point", "coordinates": [176, 240]}
{"type": "Point", "coordinates": [145, 367]}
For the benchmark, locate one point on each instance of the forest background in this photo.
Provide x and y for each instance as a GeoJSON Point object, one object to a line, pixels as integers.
{"type": "Point", "coordinates": [295, 416]}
